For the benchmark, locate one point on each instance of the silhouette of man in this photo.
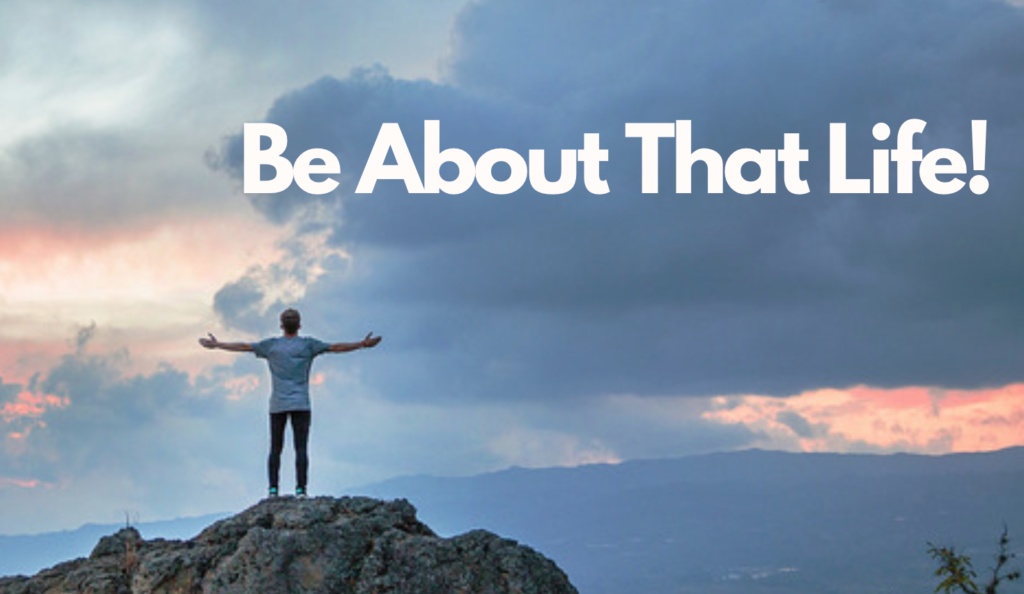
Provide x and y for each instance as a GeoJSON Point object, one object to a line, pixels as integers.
{"type": "Point", "coordinates": [290, 358]}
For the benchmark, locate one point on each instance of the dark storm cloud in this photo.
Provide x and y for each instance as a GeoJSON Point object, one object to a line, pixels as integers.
{"type": "Point", "coordinates": [238, 303]}
{"type": "Point", "coordinates": [537, 296]}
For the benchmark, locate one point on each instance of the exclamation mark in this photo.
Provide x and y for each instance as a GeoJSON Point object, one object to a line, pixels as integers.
{"type": "Point", "coordinates": [979, 183]}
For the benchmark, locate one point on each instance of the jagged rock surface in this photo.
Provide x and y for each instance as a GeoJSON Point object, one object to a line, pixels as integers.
{"type": "Point", "coordinates": [351, 545]}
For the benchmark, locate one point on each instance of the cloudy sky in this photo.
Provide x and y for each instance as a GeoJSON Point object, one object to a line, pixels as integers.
{"type": "Point", "coordinates": [521, 329]}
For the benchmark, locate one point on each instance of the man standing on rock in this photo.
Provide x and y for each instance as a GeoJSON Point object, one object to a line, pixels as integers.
{"type": "Point", "coordinates": [290, 358]}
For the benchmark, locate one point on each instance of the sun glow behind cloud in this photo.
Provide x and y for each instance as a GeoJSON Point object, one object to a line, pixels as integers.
{"type": "Point", "coordinates": [150, 283]}
{"type": "Point", "coordinates": [165, 263]}
{"type": "Point", "coordinates": [142, 296]}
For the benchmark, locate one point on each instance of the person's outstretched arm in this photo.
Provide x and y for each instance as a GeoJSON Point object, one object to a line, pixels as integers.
{"type": "Point", "coordinates": [213, 343]}
{"type": "Point", "coordinates": [343, 347]}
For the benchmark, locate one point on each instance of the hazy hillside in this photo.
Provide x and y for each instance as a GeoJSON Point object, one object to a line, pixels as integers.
{"type": "Point", "coordinates": [741, 522]}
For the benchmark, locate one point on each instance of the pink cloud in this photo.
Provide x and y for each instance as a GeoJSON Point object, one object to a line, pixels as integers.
{"type": "Point", "coordinates": [20, 483]}
{"type": "Point", "coordinates": [915, 419]}
{"type": "Point", "coordinates": [142, 262]}
{"type": "Point", "coordinates": [24, 414]}
{"type": "Point", "coordinates": [27, 404]}
{"type": "Point", "coordinates": [241, 387]}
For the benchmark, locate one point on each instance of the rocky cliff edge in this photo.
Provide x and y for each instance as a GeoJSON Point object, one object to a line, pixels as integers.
{"type": "Point", "coordinates": [351, 545]}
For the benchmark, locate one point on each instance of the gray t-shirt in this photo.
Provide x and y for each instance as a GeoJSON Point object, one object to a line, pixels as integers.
{"type": "Point", "coordinates": [290, 359]}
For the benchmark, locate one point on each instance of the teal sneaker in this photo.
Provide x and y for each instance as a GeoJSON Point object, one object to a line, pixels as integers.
{"type": "Point", "coordinates": [272, 493]}
{"type": "Point", "coordinates": [300, 492]}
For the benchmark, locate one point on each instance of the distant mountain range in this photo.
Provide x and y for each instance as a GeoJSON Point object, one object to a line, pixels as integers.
{"type": "Point", "coordinates": [27, 554]}
{"type": "Point", "coordinates": [737, 523]}
{"type": "Point", "coordinates": [743, 522]}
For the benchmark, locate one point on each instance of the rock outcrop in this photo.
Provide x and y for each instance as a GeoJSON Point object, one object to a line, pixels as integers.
{"type": "Point", "coordinates": [351, 545]}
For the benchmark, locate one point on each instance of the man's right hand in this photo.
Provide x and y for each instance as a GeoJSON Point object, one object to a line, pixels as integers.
{"type": "Point", "coordinates": [210, 342]}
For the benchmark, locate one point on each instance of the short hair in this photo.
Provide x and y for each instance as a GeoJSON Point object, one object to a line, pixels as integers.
{"type": "Point", "coordinates": [290, 320]}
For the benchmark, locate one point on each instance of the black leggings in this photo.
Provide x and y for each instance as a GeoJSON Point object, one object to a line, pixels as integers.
{"type": "Point", "coordinates": [300, 436]}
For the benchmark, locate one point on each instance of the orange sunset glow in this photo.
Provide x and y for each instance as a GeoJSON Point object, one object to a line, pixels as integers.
{"type": "Point", "coordinates": [913, 419]}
